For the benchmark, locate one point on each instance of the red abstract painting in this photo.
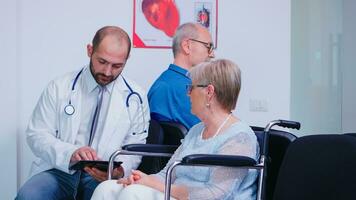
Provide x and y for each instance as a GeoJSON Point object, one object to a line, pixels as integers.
{"type": "Point", "coordinates": [155, 21]}
{"type": "Point", "coordinates": [161, 14]}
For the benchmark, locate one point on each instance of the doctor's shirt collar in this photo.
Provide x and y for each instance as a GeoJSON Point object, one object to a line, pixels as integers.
{"type": "Point", "coordinates": [90, 84]}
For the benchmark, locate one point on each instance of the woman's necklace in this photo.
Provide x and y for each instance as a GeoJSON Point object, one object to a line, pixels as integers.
{"type": "Point", "coordinates": [220, 127]}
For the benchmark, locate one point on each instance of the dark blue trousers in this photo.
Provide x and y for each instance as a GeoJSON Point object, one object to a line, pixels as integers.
{"type": "Point", "coordinates": [54, 184]}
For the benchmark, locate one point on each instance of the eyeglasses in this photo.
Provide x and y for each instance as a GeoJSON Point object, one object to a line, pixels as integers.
{"type": "Point", "coordinates": [190, 87]}
{"type": "Point", "coordinates": [208, 45]}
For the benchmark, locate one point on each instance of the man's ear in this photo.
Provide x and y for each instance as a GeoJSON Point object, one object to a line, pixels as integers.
{"type": "Point", "coordinates": [185, 46]}
{"type": "Point", "coordinates": [89, 50]}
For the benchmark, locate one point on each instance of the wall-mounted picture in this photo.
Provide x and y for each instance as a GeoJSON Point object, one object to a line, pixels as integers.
{"type": "Point", "coordinates": [155, 21]}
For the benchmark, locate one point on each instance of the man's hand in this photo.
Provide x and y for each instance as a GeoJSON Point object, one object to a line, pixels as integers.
{"type": "Point", "coordinates": [101, 175]}
{"type": "Point", "coordinates": [87, 153]}
{"type": "Point", "coordinates": [84, 153]}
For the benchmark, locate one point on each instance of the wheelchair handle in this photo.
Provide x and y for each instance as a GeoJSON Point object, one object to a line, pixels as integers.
{"type": "Point", "coordinates": [111, 163]}
{"type": "Point", "coordinates": [264, 153]}
{"type": "Point", "coordinates": [284, 124]}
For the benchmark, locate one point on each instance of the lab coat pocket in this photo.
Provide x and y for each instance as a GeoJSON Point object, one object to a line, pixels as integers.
{"type": "Point", "coordinates": [68, 127]}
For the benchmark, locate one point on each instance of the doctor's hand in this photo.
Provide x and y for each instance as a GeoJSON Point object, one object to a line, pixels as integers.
{"type": "Point", "coordinates": [84, 153]}
{"type": "Point", "coordinates": [102, 175]}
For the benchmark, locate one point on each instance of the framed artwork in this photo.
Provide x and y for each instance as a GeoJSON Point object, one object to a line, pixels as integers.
{"type": "Point", "coordinates": [155, 21]}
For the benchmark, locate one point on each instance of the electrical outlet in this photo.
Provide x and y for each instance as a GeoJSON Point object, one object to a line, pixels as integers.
{"type": "Point", "coordinates": [258, 105]}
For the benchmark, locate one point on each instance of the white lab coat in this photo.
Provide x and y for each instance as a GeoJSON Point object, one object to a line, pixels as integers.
{"type": "Point", "coordinates": [51, 133]}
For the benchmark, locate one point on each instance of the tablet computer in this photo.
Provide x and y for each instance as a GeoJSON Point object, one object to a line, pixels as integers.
{"type": "Point", "coordinates": [99, 164]}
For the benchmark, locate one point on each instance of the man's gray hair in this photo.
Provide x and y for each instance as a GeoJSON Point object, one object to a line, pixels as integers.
{"type": "Point", "coordinates": [188, 30]}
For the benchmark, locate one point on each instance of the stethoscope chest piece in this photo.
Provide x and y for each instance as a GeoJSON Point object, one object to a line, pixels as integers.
{"type": "Point", "coordinates": [69, 109]}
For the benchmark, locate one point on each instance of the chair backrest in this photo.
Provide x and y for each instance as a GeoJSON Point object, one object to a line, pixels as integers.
{"type": "Point", "coordinates": [173, 132]}
{"type": "Point", "coordinates": [278, 144]}
{"type": "Point", "coordinates": [351, 134]}
{"type": "Point", "coordinates": [318, 167]}
{"type": "Point", "coordinates": [168, 133]}
{"type": "Point", "coordinates": [155, 133]}
{"type": "Point", "coordinates": [151, 165]}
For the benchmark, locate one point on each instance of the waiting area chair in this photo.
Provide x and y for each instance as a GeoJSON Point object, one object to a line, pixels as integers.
{"type": "Point", "coordinates": [155, 133]}
{"type": "Point", "coordinates": [173, 132]}
{"type": "Point", "coordinates": [151, 165]}
{"type": "Point", "coordinates": [318, 167]}
{"type": "Point", "coordinates": [351, 134]}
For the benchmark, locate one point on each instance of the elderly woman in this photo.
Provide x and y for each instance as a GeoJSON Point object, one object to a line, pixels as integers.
{"type": "Point", "coordinates": [213, 95]}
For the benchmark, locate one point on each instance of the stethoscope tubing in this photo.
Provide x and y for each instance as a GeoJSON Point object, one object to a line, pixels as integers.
{"type": "Point", "coordinates": [70, 110]}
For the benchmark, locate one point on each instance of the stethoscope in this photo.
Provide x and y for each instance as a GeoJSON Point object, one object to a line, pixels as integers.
{"type": "Point", "coordinates": [70, 110]}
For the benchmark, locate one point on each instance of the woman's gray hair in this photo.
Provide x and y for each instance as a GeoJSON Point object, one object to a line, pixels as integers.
{"type": "Point", "coordinates": [184, 31]}
{"type": "Point", "coordinates": [224, 75]}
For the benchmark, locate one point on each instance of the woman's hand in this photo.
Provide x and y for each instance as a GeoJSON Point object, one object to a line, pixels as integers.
{"type": "Point", "coordinates": [127, 181]}
{"type": "Point", "coordinates": [124, 181]}
{"type": "Point", "coordinates": [141, 178]}
{"type": "Point", "coordinates": [136, 177]}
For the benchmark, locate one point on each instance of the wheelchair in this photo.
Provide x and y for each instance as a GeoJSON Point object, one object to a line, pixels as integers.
{"type": "Point", "coordinates": [273, 144]}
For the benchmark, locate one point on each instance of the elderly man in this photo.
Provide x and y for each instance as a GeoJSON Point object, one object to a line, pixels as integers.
{"type": "Point", "coordinates": [168, 100]}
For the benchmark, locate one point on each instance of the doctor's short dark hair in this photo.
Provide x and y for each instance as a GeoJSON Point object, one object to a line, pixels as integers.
{"type": "Point", "coordinates": [111, 30]}
{"type": "Point", "coordinates": [224, 75]}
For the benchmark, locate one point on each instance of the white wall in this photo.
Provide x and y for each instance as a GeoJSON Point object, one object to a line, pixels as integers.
{"type": "Point", "coordinates": [256, 35]}
{"type": "Point", "coordinates": [8, 103]}
{"type": "Point", "coordinates": [53, 35]}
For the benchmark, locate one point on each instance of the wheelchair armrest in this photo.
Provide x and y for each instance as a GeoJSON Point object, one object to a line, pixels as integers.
{"type": "Point", "coordinates": [153, 150]}
{"type": "Point", "coordinates": [150, 148]}
{"type": "Point", "coordinates": [209, 160]}
{"type": "Point", "coordinates": [219, 160]}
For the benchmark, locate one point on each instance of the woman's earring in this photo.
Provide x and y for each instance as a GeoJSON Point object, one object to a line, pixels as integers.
{"type": "Point", "coordinates": [207, 105]}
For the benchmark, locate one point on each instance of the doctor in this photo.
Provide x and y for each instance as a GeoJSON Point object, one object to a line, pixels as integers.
{"type": "Point", "coordinates": [86, 115]}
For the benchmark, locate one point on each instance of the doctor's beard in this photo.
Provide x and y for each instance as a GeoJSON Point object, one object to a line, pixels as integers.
{"type": "Point", "coordinates": [101, 78]}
